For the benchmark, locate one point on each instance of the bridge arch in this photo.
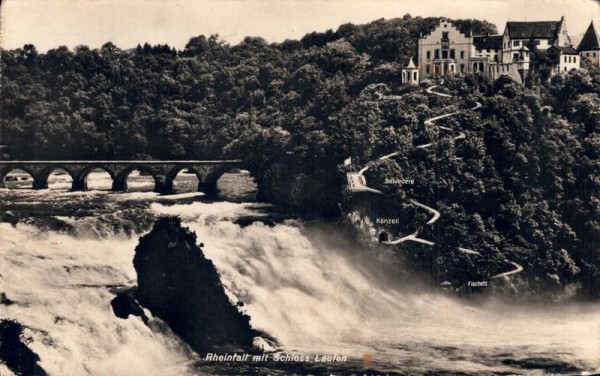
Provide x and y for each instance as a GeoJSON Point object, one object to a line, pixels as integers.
{"type": "Point", "coordinates": [210, 184]}
{"type": "Point", "coordinates": [40, 180]}
{"type": "Point", "coordinates": [169, 185]}
{"type": "Point", "coordinates": [7, 170]}
{"type": "Point", "coordinates": [120, 178]}
{"type": "Point", "coordinates": [80, 183]}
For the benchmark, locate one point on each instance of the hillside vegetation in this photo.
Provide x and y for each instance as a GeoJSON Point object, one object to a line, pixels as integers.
{"type": "Point", "coordinates": [524, 182]}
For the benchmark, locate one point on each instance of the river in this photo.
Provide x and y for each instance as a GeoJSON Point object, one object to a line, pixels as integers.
{"type": "Point", "coordinates": [303, 282]}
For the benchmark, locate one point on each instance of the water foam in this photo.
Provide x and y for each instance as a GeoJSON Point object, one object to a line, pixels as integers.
{"type": "Point", "coordinates": [61, 286]}
{"type": "Point", "coordinates": [298, 283]}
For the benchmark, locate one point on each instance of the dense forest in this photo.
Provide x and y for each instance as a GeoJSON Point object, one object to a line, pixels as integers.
{"type": "Point", "coordinates": [525, 181]}
{"type": "Point", "coordinates": [289, 109]}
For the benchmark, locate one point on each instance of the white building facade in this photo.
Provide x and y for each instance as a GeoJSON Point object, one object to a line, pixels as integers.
{"type": "Point", "coordinates": [445, 50]}
{"type": "Point", "coordinates": [568, 59]}
{"type": "Point", "coordinates": [448, 51]}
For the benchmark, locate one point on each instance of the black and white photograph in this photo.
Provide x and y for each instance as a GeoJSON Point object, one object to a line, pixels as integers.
{"type": "Point", "coordinates": [299, 187]}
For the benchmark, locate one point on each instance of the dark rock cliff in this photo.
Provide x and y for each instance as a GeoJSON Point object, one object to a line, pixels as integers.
{"type": "Point", "coordinates": [179, 285]}
{"type": "Point", "coordinates": [14, 352]}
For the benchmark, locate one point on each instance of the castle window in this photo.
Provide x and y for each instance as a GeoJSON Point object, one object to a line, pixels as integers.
{"type": "Point", "coordinates": [445, 25]}
{"type": "Point", "coordinates": [462, 68]}
{"type": "Point", "coordinates": [444, 54]}
{"type": "Point", "coordinates": [428, 55]}
{"type": "Point", "coordinates": [516, 43]}
{"type": "Point", "coordinates": [594, 54]}
{"type": "Point", "coordinates": [538, 42]}
{"type": "Point", "coordinates": [437, 53]}
{"type": "Point", "coordinates": [462, 54]}
{"type": "Point", "coordinates": [415, 76]}
{"type": "Point", "coordinates": [452, 52]}
{"type": "Point", "coordinates": [445, 35]}
{"type": "Point", "coordinates": [427, 69]}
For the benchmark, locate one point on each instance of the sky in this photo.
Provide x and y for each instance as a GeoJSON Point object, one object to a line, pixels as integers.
{"type": "Point", "coordinates": [51, 23]}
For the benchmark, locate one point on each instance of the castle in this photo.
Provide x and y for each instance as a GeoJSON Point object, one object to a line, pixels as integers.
{"type": "Point", "coordinates": [448, 51]}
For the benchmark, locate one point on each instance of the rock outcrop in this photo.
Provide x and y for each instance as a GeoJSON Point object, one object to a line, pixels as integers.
{"type": "Point", "coordinates": [124, 305]}
{"type": "Point", "coordinates": [14, 352]}
{"type": "Point", "coordinates": [4, 300]}
{"type": "Point", "coordinates": [180, 286]}
{"type": "Point", "coordinates": [9, 217]}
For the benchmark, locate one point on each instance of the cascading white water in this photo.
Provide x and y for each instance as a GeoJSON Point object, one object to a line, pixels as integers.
{"type": "Point", "coordinates": [300, 283]}
{"type": "Point", "coordinates": [61, 288]}
{"type": "Point", "coordinates": [303, 283]}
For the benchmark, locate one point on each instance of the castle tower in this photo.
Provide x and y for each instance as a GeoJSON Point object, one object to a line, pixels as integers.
{"type": "Point", "coordinates": [410, 73]}
{"type": "Point", "coordinates": [589, 47]}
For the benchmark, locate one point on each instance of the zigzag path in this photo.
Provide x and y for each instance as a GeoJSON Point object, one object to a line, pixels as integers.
{"type": "Point", "coordinates": [357, 183]}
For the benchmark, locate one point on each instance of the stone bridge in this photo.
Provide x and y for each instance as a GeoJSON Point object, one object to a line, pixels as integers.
{"type": "Point", "coordinates": [163, 172]}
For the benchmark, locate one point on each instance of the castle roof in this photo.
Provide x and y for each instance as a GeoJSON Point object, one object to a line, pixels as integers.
{"type": "Point", "coordinates": [590, 40]}
{"type": "Point", "coordinates": [488, 42]}
{"type": "Point", "coordinates": [536, 29]}
{"type": "Point", "coordinates": [566, 50]}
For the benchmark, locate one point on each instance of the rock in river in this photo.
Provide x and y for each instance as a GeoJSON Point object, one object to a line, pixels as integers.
{"type": "Point", "coordinates": [179, 285]}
